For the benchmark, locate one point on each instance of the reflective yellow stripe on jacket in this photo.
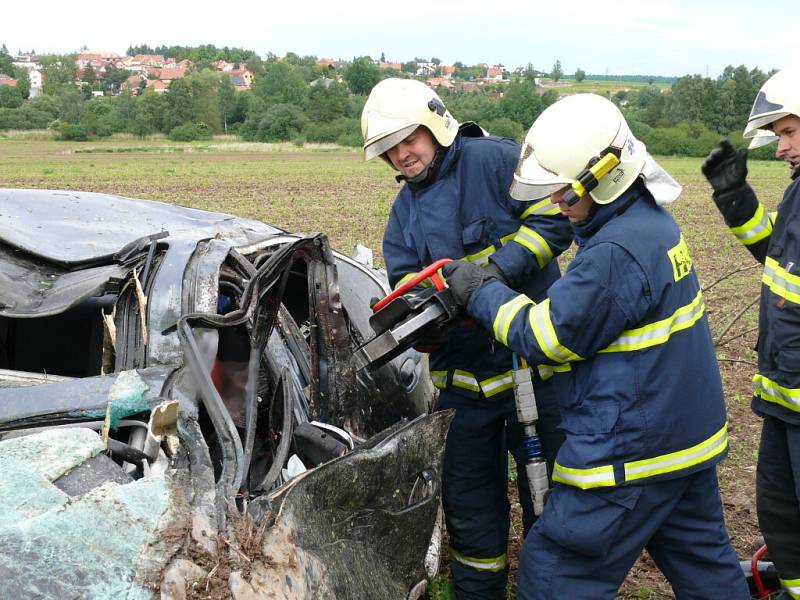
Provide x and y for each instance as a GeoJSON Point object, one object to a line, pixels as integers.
{"type": "Point", "coordinates": [467, 381]}
{"type": "Point", "coordinates": [769, 391]}
{"type": "Point", "coordinates": [792, 586]}
{"type": "Point", "coordinates": [543, 207]}
{"type": "Point", "coordinates": [756, 228]}
{"type": "Point", "coordinates": [527, 237]}
{"type": "Point", "coordinates": [409, 277]}
{"type": "Point", "coordinates": [660, 331]}
{"type": "Point", "coordinates": [481, 258]}
{"type": "Point", "coordinates": [643, 469]}
{"type": "Point", "coordinates": [494, 564]}
{"type": "Point", "coordinates": [545, 334]}
{"type": "Point", "coordinates": [780, 281]}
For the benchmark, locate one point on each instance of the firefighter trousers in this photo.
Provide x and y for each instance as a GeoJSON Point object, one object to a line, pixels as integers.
{"type": "Point", "coordinates": [586, 541]}
{"type": "Point", "coordinates": [778, 498]}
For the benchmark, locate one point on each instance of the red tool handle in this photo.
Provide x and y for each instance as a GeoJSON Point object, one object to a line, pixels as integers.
{"type": "Point", "coordinates": [430, 272]}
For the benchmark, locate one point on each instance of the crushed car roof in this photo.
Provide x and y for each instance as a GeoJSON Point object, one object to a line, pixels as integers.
{"type": "Point", "coordinates": [84, 227]}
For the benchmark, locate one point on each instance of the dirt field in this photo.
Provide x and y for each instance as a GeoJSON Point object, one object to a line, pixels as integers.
{"type": "Point", "coordinates": [334, 191]}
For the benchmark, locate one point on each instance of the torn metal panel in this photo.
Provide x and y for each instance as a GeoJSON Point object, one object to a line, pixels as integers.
{"type": "Point", "coordinates": [80, 399]}
{"type": "Point", "coordinates": [344, 512]}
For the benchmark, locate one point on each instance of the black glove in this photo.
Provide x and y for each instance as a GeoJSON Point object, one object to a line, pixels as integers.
{"type": "Point", "coordinates": [725, 167]}
{"type": "Point", "coordinates": [463, 278]}
{"type": "Point", "coordinates": [492, 270]}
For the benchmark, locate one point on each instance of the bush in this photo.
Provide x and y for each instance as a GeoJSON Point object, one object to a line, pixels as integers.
{"type": "Point", "coordinates": [72, 132]}
{"type": "Point", "coordinates": [190, 132]}
{"type": "Point", "coordinates": [280, 123]}
{"type": "Point", "coordinates": [353, 140]}
{"type": "Point", "coordinates": [505, 127]}
{"type": "Point", "coordinates": [330, 132]}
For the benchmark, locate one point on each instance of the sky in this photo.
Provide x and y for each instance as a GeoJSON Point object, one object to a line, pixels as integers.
{"type": "Point", "coordinates": [620, 37]}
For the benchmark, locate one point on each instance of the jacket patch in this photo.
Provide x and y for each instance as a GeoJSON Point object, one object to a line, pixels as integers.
{"type": "Point", "coordinates": [681, 260]}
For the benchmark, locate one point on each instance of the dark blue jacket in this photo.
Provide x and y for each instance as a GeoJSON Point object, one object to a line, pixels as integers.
{"type": "Point", "coordinates": [646, 398]}
{"type": "Point", "coordinates": [774, 239]}
{"type": "Point", "coordinates": [467, 212]}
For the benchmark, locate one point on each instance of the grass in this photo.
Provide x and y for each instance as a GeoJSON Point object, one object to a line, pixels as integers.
{"type": "Point", "coordinates": [336, 192]}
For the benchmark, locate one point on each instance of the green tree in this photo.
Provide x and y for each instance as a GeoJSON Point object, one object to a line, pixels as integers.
{"type": "Point", "coordinates": [326, 103]}
{"type": "Point", "coordinates": [530, 73]}
{"type": "Point", "coordinates": [23, 82]}
{"type": "Point", "coordinates": [205, 99]}
{"type": "Point", "coordinates": [114, 78]}
{"type": "Point", "coordinates": [10, 97]}
{"type": "Point", "coordinates": [6, 62]}
{"type": "Point", "coordinates": [227, 101]}
{"type": "Point", "coordinates": [281, 122]}
{"type": "Point", "coordinates": [57, 72]}
{"type": "Point", "coordinates": [362, 75]}
{"type": "Point", "coordinates": [580, 75]}
{"type": "Point", "coordinates": [88, 75]}
{"type": "Point", "coordinates": [521, 103]}
{"type": "Point", "coordinates": [557, 72]}
{"type": "Point", "coordinates": [281, 85]}
{"type": "Point", "coordinates": [180, 104]}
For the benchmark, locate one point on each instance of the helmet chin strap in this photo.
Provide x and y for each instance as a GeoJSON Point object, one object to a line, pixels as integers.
{"type": "Point", "coordinates": [428, 174]}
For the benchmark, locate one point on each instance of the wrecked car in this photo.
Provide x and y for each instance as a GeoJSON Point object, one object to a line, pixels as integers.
{"type": "Point", "coordinates": [166, 370]}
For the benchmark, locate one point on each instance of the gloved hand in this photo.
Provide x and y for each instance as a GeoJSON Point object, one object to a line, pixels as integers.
{"type": "Point", "coordinates": [725, 167]}
{"type": "Point", "coordinates": [464, 278]}
{"type": "Point", "coordinates": [492, 270]}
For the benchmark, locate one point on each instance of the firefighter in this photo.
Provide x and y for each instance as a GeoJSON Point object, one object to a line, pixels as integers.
{"type": "Point", "coordinates": [645, 418]}
{"type": "Point", "coordinates": [455, 204]}
{"type": "Point", "coordinates": [774, 240]}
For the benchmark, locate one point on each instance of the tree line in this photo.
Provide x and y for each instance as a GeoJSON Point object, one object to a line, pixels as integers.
{"type": "Point", "coordinates": [294, 99]}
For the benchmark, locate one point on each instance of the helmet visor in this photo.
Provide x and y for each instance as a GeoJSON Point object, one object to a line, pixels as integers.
{"type": "Point", "coordinates": [387, 142]}
{"type": "Point", "coordinates": [532, 181]}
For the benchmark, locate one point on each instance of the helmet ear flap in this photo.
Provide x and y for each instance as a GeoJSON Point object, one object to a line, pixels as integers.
{"type": "Point", "coordinates": [437, 106]}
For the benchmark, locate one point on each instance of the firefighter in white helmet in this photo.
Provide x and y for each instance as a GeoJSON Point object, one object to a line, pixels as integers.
{"type": "Point", "coordinates": [455, 204]}
{"type": "Point", "coordinates": [645, 420]}
{"type": "Point", "coordinates": [774, 240]}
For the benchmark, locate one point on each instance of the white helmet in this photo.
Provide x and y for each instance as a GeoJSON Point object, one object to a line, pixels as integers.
{"type": "Point", "coordinates": [395, 108]}
{"type": "Point", "coordinates": [778, 97]}
{"type": "Point", "coordinates": [569, 137]}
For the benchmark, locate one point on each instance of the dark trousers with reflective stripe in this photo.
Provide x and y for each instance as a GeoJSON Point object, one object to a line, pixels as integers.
{"type": "Point", "coordinates": [778, 494]}
{"type": "Point", "coordinates": [585, 543]}
{"type": "Point", "coordinates": [475, 483]}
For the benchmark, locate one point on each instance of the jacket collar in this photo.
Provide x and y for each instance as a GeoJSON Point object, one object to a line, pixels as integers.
{"type": "Point", "coordinates": [606, 212]}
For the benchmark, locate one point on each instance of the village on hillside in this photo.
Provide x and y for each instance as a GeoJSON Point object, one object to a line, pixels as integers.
{"type": "Point", "coordinates": [156, 72]}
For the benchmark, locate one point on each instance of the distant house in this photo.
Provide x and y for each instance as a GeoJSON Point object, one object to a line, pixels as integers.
{"type": "Point", "coordinates": [242, 79]}
{"type": "Point", "coordinates": [447, 70]}
{"type": "Point", "coordinates": [172, 73]}
{"type": "Point", "coordinates": [390, 65]}
{"type": "Point", "coordinates": [468, 87]}
{"type": "Point", "coordinates": [495, 73]}
{"type": "Point", "coordinates": [7, 81]}
{"type": "Point", "coordinates": [440, 82]}
{"type": "Point", "coordinates": [158, 86]}
{"type": "Point", "coordinates": [329, 63]}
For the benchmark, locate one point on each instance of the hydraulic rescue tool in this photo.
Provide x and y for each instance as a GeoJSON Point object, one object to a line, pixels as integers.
{"type": "Point", "coordinates": [527, 415]}
{"type": "Point", "coordinates": [403, 321]}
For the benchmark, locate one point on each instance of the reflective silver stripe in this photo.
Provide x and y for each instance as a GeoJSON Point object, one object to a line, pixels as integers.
{"type": "Point", "coordinates": [682, 459]}
{"type": "Point", "coordinates": [534, 242]}
{"type": "Point", "coordinates": [465, 380]}
{"type": "Point", "coordinates": [545, 334]}
{"type": "Point", "coordinates": [660, 331]}
{"type": "Point", "coordinates": [584, 478]}
{"type": "Point", "coordinates": [494, 564]}
{"type": "Point", "coordinates": [755, 229]}
{"type": "Point", "coordinates": [498, 383]}
{"type": "Point", "coordinates": [792, 586]}
{"type": "Point", "coordinates": [481, 258]}
{"type": "Point", "coordinates": [505, 315]}
{"type": "Point", "coordinates": [439, 379]}
{"type": "Point", "coordinates": [770, 391]}
{"type": "Point", "coordinates": [543, 207]}
{"type": "Point", "coordinates": [780, 281]}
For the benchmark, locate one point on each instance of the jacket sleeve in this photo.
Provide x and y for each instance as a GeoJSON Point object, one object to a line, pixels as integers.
{"type": "Point", "coordinates": [604, 292]}
{"type": "Point", "coordinates": [402, 262]}
{"type": "Point", "coordinates": [542, 235]}
{"type": "Point", "coordinates": [747, 219]}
